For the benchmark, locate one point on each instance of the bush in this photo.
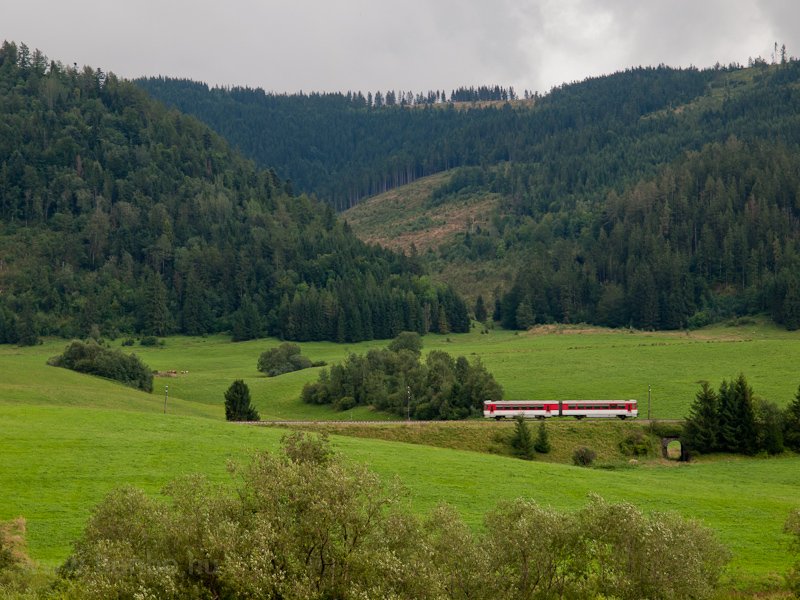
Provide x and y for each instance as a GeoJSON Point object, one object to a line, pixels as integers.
{"type": "Point", "coordinates": [94, 359]}
{"type": "Point", "coordinates": [286, 358]}
{"type": "Point", "coordinates": [583, 457]}
{"type": "Point", "coordinates": [128, 342]}
{"type": "Point", "coordinates": [149, 340]}
{"type": "Point", "coordinates": [306, 524]}
{"type": "Point", "coordinates": [636, 444]}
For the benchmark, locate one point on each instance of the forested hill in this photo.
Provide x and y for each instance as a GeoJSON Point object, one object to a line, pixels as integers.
{"type": "Point", "coordinates": [119, 215]}
{"type": "Point", "coordinates": [345, 147]}
{"type": "Point", "coordinates": [653, 197]}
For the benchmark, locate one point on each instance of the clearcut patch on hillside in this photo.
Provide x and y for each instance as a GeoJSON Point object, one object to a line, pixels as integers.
{"type": "Point", "coordinates": [401, 219]}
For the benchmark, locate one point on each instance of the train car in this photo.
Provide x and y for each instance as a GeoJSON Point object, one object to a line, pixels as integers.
{"type": "Point", "coordinates": [580, 409]}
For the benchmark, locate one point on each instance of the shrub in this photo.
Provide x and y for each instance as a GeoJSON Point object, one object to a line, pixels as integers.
{"type": "Point", "coordinates": [636, 444]}
{"type": "Point", "coordinates": [149, 340]}
{"type": "Point", "coordinates": [583, 457]}
{"type": "Point", "coordinates": [94, 359]}
{"type": "Point", "coordinates": [284, 359]}
{"type": "Point", "coordinates": [128, 342]}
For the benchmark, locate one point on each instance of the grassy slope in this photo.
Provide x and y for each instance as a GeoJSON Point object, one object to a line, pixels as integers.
{"type": "Point", "coordinates": [555, 362]}
{"type": "Point", "coordinates": [57, 462]}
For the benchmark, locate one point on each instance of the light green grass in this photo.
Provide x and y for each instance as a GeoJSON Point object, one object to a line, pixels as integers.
{"type": "Point", "coordinates": [556, 362]}
{"type": "Point", "coordinates": [58, 462]}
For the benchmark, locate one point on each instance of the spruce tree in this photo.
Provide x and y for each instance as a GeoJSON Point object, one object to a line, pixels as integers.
{"type": "Point", "coordinates": [542, 444]}
{"type": "Point", "coordinates": [480, 309]}
{"type": "Point", "coordinates": [522, 441]}
{"type": "Point", "coordinates": [237, 403]}
{"type": "Point", "coordinates": [747, 431]}
{"type": "Point", "coordinates": [702, 424]}
{"type": "Point", "coordinates": [791, 423]}
{"type": "Point", "coordinates": [728, 431]}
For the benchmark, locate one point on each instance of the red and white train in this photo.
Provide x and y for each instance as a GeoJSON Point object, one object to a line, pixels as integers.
{"type": "Point", "coordinates": [541, 409]}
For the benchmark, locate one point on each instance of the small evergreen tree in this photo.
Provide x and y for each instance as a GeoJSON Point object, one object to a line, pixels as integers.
{"type": "Point", "coordinates": [702, 424]}
{"type": "Point", "coordinates": [237, 403]}
{"type": "Point", "coordinates": [542, 444]}
{"type": "Point", "coordinates": [522, 441]}
{"type": "Point", "coordinates": [747, 430]}
{"type": "Point", "coordinates": [791, 424]}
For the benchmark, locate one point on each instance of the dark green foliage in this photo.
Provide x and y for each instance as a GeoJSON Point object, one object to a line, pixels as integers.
{"type": "Point", "coordinates": [769, 426]}
{"type": "Point", "coordinates": [522, 441]}
{"type": "Point", "coordinates": [90, 357]}
{"type": "Point", "coordinates": [399, 382]}
{"type": "Point", "coordinates": [735, 421]}
{"type": "Point", "coordinates": [654, 197]}
{"type": "Point", "coordinates": [147, 341]}
{"type": "Point", "coordinates": [237, 403]}
{"type": "Point", "coordinates": [542, 443]}
{"type": "Point", "coordinates": [636, 444]}
{"type": "Point", "coordinates": [284, 359]}
{"type": "Point", "coordinates": [583, 457]}
{"type": "Point", "coordinates": [791, 423]}
{"type": "Point", "coordinates": [118, 213]}
{"type": "Point", "coordinates": [407, 340]}
{"type": "Point", "coordinates": [702, 424]}
{"type": "Point", "coordinates": [480, 309]}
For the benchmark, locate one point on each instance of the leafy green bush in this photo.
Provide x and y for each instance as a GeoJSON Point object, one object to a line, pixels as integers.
{"type": "Point", "coordinates": [284, 359]}
{"type": "Point", "coordinates": [306, 524]}
{"type": "Point", "coordinates": [583, 457]}
{"type": "Point", "coordinates": [90, 357]}
{"type": "Point", "coordinates": [149, 341]}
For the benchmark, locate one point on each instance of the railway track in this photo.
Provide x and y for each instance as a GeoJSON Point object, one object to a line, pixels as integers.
{"type": "Point", "coordinates": [405, 422]}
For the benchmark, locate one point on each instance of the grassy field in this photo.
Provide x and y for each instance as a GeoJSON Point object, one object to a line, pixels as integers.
{"type": "Point", "coordinates": [551, 362]}
{"type": "Point", "coordinates": [67, 439]}
{"type": "Point", "coordinates": [57, 462]}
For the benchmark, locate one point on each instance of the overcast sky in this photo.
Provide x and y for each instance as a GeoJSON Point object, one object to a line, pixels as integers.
{"type": "Point", "coordinates": [417, 45]}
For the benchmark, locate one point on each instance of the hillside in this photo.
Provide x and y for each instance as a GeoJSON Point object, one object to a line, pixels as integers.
{"type": "Point", "coordinates": [119, 215]}
{"type": "Point", "coordinates": [654, 197]}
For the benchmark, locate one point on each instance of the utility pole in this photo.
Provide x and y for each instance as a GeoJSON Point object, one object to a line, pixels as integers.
{"type": "Point", "coordinates": [648, 401]}
{"type": "Point", "coordinates": [166, 394]}
{"type": "Point", "coordinates": [408, 403]}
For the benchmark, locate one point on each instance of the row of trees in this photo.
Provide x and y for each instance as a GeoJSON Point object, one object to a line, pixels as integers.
{"type": "Point", "coordinates": [305, 524]}
{"type": "Point", "coordinates": [396, 380]}
{"type": "Point", "coordinates": [120, 213]}
{"type": "Point", "coordinates": [735, 420]}
{"type": "Point", "coordinates": [97, 359]}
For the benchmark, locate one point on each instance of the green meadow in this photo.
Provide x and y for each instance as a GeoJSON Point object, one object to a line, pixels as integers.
{"type": "Point", "coordinates": [67, 439]}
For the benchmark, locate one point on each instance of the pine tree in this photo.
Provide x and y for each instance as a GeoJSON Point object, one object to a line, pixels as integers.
{"type": "Point", "coordinates": [542, 444]}
{"type": "Point", "coordinates": [156, 316]}
{"type": "Point", "coordinates": [702, 424]}
{"type": "Point", "coordinates": [522, 441]}
{"type": "Point", "coordinates": [237, 403]}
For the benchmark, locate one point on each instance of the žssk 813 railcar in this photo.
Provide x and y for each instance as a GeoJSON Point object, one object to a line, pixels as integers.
{"type": "Point", "coordinates": [541, 409]}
